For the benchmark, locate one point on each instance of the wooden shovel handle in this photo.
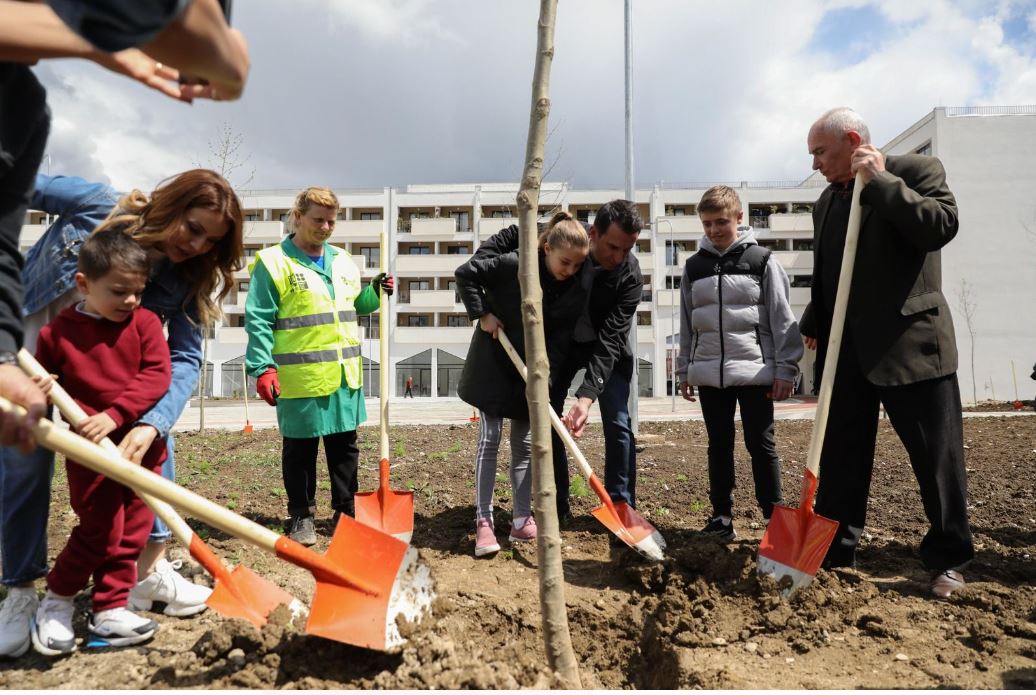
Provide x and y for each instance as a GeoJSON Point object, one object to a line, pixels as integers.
{"type": "Point", "coordinates": [834, 344]}
{"type": "Point", "coordinates": [383, 372]}
{"type": "Point", "coordinates": [559, 427]}
{"type": "Point", "coordinates": [112, 465]}
{"type": "Point", "coordinates": [74, 414]}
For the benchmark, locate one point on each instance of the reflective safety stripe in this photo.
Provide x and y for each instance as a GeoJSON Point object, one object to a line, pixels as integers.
{"type": "Point", "coordinates": [316, 356]}
{"type": "Point", "coordinates": [312, 320]}
{"type": "Point", "coordinates": [304, 321]}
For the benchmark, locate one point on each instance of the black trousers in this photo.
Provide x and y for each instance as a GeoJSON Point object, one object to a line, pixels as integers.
{"type": "Point", "coordinates": [299, 470]}
{"type": "Point", "coordinates": [927, 417]}
{"type": "Point", "coordinates": [717, 406]}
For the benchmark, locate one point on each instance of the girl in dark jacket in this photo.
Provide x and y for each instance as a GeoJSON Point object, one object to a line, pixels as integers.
{"type": "Point", "coordinates": [491, 294]}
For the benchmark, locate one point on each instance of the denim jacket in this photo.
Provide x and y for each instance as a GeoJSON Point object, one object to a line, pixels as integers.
{"type": "Point", "coordinates": [50, 268]}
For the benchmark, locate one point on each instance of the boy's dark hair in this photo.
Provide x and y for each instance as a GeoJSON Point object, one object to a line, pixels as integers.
{"type": "Point", "coordinates": [109, 249]}
{"type": "Point", "coordinates": [620, 212]}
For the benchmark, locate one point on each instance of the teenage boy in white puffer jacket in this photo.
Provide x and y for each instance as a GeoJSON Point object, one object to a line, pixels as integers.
{"type": "Point", "coordinates": [739, 344]}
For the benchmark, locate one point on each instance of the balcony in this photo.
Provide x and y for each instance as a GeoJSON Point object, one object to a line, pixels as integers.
{"type": "Point", "coordinates": [683, 226]}
{"type": "Point", "coordinates": [31, 233]}
{"type": "Point", "coordinates": [646, 260]}
{"type": "Point", "coordinates": [432, 300]}
{"type": "Point", "coordinates": [795, 262]}
{"type": "Point", "coordinates": [645, 334]}
{"type": "Point", "coordinates": [429, 335]}
{"type": "Point", "coordinates": [433, 227]}
{"type": "Point", "coordinates": [264, 232]}
{"type": "Point", "coordinates": [357, 230]}
{"type": "Point", "coordinates": [791, 222]}
{"type": "Point", "coordinates": [429, 263]}
{"type": "Point", "coordinates": [488, 226]}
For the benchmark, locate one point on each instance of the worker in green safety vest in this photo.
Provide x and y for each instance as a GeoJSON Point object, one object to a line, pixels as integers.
{"type": "Point", "coordinates": [304, 347]}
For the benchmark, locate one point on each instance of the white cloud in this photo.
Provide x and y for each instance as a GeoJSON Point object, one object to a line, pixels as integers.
{"type": "Point", "coordinates": [369, 94]}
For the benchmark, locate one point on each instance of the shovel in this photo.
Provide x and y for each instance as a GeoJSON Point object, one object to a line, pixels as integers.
{"type": "Point", "coordinates": [365, 581]}
{"type": "Point", "coordinates": [797, 540]}
{"type": "Point", "coordinates": [385, 509]}
{"type": "Point", "coordinates": [238, 594]}
{"type": "Point", "coordinates": [620, 518]}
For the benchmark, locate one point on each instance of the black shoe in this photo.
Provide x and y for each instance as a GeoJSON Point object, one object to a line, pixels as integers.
{"type": "Point", "coordinates": [565, 519]}
{"type": "Point", "coordinates": [723, 530]}
{"type": "Point", "coordinates": [838, 557]}
{"type": "Point", "coordinates": [302, 530]}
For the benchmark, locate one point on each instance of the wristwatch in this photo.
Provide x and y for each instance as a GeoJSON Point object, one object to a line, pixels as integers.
{"type": "Point", "coordinates": [8, 357]}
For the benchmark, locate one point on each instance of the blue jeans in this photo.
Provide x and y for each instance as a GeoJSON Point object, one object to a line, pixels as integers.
{"type": "Point", "coordinates": [25, 506]}
{"type": "Point", "coordinates": [620, 453]}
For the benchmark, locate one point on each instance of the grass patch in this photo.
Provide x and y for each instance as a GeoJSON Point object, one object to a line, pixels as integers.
{"type": "Point", "coordinates": [455, 449]}
{"type": "Point", "coordinates": [399, 451]}
{"type": "Point", "coordinates": [577, 487]}
{"type": "Point", "coordinates": [697, 506]}
{"type": "Point", "coordinates": [681, 477]}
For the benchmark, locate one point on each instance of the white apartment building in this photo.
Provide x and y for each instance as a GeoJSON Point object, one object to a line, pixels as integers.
{"type": "Point", "coordinates": [431, 229]}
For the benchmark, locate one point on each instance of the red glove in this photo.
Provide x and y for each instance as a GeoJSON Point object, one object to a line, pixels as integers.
{"type": "Point", "coordinates": [268, 386]}
{"type": "Point", "coordinates": [385, 282]}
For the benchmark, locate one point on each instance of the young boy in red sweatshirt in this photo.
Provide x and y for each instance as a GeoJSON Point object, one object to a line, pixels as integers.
{"type": "Point", "coordinates": [112, 357]}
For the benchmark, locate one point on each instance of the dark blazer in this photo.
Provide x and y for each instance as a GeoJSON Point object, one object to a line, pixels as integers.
{"type": "Point", "coordinates": [489, 381]}
{"type": "Point", "coordinates": [898, 321]}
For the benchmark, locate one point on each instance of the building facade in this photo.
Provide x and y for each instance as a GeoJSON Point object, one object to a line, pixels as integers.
{"type": "Point", "coordinates": [431, 229]}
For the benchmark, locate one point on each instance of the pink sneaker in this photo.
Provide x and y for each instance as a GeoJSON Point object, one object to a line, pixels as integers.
{"type": "Point", "coordinates": [485, 538]}
{"type": "Point", "coordinates": [525, 533]}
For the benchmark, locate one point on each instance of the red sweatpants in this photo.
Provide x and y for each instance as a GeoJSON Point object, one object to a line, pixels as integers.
{"type": "Point", "coordinates": [113, 529]}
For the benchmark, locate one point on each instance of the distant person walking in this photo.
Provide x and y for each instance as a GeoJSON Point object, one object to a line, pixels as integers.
{"type": "Point", "coordinates": [409, 387]}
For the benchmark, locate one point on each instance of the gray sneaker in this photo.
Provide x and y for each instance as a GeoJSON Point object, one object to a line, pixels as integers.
{"type": "Point", "coordinates": [16, 616]}
{"type": "Point", "coordinates": [302, 530]}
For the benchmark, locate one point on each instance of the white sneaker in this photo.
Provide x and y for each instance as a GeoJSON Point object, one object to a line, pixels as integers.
{"type": "Point", "coordinates": [16, 621]}
{"type": "Point", "coordinates": [52, 626]}
{"type": "Point", "coordinates": [119, 627]}
{"type": "Point", "coordinates": [166, 586]}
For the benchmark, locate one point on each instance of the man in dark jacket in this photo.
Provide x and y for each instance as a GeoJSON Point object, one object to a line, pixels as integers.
{"type": "Point", "coordinates": [898, 349]}
{"type": "Point", "coordinates": [601, 334]}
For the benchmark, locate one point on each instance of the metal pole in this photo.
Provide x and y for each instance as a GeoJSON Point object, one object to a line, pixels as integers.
{"type": "Point", "coordinates": [632, 339]}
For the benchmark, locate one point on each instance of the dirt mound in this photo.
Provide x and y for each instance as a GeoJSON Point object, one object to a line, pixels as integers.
{"type": "Point", "coordinates": [702, 619]}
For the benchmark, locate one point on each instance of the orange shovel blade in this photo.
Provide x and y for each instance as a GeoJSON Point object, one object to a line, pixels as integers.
{"type": "Point", "coordinates": [402, 583]}
{"type": "Point", "coordinates": [385, 509]}
{"type": "Point", "coordinates": [239, 594]}
{"type": "Point", "coordinates": [633, 529]}
{"type": "Point", "coordinates": [796, 541]}
{"type": "Point", "coordinates": [249, 597]}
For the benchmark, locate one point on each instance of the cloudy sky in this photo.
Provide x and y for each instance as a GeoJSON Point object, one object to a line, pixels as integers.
{"type": "Point", "coordinates": [371, 93]}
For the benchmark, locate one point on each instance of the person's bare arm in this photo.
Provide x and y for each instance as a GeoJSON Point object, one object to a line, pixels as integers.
{"type": "Point", "coordinates": [200, 44]}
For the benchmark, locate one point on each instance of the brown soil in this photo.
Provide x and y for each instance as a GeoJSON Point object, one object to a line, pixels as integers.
{"type": "Point", "coordinates": [701, 619]}
{"type": "Point", "coordinates": [1000, 406]}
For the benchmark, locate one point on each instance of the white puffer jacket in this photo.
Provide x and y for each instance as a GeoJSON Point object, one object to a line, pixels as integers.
{"type": "Point", "coordinates": [735, 328]}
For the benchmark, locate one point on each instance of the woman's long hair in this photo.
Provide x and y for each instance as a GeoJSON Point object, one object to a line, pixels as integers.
{"type": "Point", "coordinates": [153, 220]}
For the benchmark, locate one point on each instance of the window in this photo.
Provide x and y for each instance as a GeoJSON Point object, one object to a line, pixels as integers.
{"type": "Point", "coordinates": [371, 256]}
{"type": "Point", "coordinates": [457, 249]}
{"type": "Point", "coordinates": [773, 244]}
{"type": "Point", "coordinates": [583, 216]}
{"type": "Point", "coordinates": [253, 217]}
{"type": "Point", "coordinates": [457, 321]}
{"type": "Point", "coordinates": [678, 212]}
{"type": "Point", "coordinates": [417, 320]}
{"type": "Point", "coordinates": [419, 285]}
{"type": "Point", "coordinates": [673, 282]}
{"type": "Point", "coordinates": [925, 149]}
{"type": "Point", "coordinates": [802, 244]}
{"type": "Point", "coordinates": [463, 221]}
{"type": "Point", "coordinates": [643, 318]}
{"type": "Point", "coordinates": [449, 368]}
{"type": "Point", "coordinates": [502, 213]}
{"type": "Point", "coordinates": [419, 251]}
{"type": "Point", "coordinates": [242, 286]}
{"type": "Point", "coordinates": [801, 280]}
{"type": "Point", "coordinates": [370, 215]}
{"type": "Point", "coordinates": [672, 251]}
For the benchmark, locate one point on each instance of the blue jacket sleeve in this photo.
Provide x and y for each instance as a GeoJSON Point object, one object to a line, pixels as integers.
{"type": "Point", "coordinates": [185, 358]}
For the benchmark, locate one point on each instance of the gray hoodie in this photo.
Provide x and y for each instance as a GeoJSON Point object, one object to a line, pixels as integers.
{"type": "Point", "coordinates": [745, 334]}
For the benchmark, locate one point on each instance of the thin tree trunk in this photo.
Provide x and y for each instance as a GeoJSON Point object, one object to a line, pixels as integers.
{"type": "Point", "coordinates": [556, 638]}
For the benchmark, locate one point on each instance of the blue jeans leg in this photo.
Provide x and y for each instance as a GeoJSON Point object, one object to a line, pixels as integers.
{"type": "Point", "coordinates": [620, 454]}
{"type": "Point", "coordinates": [160, 533]}
{"type": "Point", "coordinates": [24, 507]}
